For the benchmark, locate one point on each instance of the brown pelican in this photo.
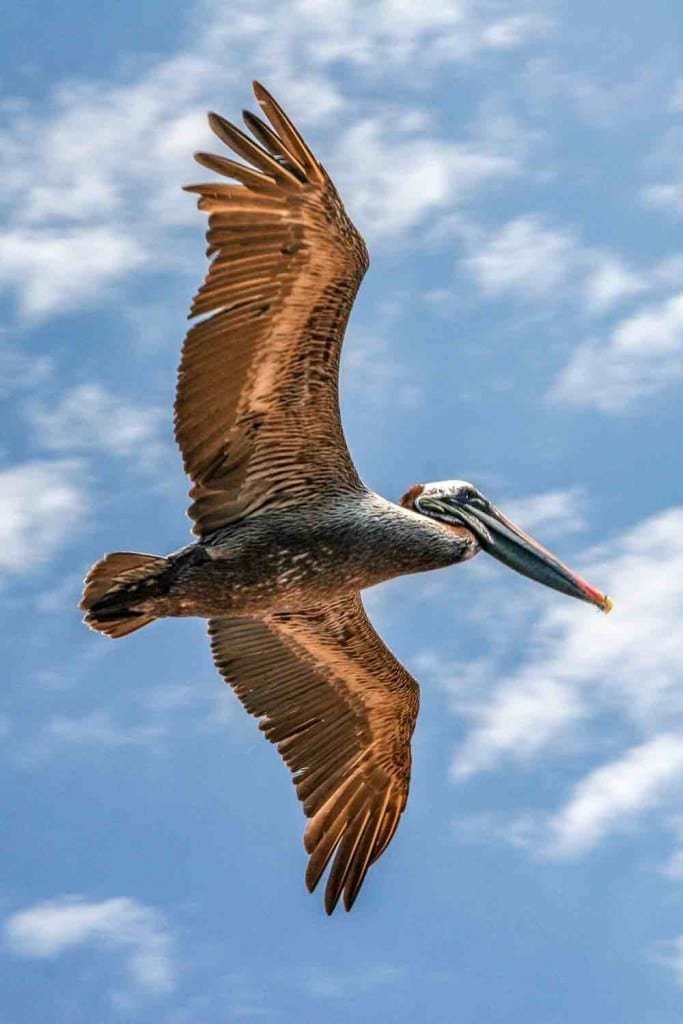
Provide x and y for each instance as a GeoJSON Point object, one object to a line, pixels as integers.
{"type": "Point", "coordinates": [288, 535]}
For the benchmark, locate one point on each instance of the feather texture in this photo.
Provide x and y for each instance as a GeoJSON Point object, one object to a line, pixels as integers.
{"type": "Point", "coordinates": [341, 711]}
{"type": "Point", "coordinates": [257, 410]}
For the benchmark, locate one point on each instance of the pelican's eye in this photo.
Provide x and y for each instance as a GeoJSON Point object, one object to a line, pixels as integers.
{"type": "Point", "coordinates": [472, 497]}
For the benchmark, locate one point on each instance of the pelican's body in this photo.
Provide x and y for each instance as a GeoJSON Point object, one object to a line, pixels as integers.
{"type": "Point", "coordinates": [288, 533]}
{"type": "Point", "coordinates": [296, 558]}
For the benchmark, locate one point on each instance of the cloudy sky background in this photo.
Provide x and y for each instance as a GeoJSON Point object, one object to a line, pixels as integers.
{"type": "Point", "coordinates": [516, 170]}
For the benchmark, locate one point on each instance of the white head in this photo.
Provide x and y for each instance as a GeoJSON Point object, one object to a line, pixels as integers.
{"type": "Point", "coordinates": [459, 503]}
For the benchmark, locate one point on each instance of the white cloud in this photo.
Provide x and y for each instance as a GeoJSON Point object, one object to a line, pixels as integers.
{"type": "Point", "coordinates": [46, 930]}
{"type": "Point", "coordinates": [580, 671]}
{"type": "Point", "coordinates": [642, 356]}
{"type": "Point", "coordinates": [616, 793]}
{"type": "Point", "coordinates": [580, 663]}
{"type": "Point", "coordinates": [550, 513]}
{"type": "Point", "coordinates": [55, 270]}
{"type": "Point", "coordinates": [394, 177]}
{"type": "Point", "coordinates": [659, 329]}
{"type": "Point", "coordinates": [665, 164]}
{"type": "Point", "coordinates": [531, 259]}
{"type": "Point", "coordinates": [40, 504]}
{"type": "Point", "coordinates": [379, 37]}
{"type": "Point", "coordinates": [91, 178]}
{"type": "Point", "coordinates": [525, 257]}
{"type": "Point", "coordinates": [22, 372]}
{"type": "Point", "coordinates": [89, 418]}
{"type": "Point", "coordinates": [609, 281]}
{"type": "Point", "coordinates": [88, 174]}
{"type": "Point", "coordinates": [667, 196]}
{"type": "Point", "coordinates": [515, 30]}
{"type": "Point", "coordinates": [522, 832]}
{"type": "Point", "coordinates": [521, 718]}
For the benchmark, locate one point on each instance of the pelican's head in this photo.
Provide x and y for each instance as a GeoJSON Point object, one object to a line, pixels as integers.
{"type": "Point", "coordinates": [457, 503]}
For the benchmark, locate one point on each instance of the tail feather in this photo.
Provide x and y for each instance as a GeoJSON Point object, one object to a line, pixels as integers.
{"type": "Point", "coordinates": [113, 588]}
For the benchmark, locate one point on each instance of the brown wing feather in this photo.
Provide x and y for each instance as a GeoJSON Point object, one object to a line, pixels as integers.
{"type": "Point", "coordinates": [341, 710]}
{"type": "Point", "coordinates": [257, 411]}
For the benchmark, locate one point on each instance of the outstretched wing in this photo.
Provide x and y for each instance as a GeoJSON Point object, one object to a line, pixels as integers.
{"type": "Point", "coordinates": [341, 710]}
{"type": "Point", "coordinates": [257, 410]}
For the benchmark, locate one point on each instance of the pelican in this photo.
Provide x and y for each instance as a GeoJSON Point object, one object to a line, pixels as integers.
{"type": "Point", "coordinates": [287, 533]}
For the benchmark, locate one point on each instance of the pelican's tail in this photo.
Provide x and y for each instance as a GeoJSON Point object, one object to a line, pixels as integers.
{"type": "Point", "coordinates": [118, 590]}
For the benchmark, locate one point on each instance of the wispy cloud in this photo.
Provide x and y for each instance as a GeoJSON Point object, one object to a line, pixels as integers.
{"type": "Point", "coordinates": [609, 280]}
{"type": "Point", "coordinates": [89, 418]}
{"type": "Point", "coordinates": [383, 37]}
{"type": "Point", "coordinates": [580, 662]}
{"type": "Point", "coordinates": [673, 866]}
{"type": "Point", "coordinates": [642, 356]}
{"type": "Point", "coordinates": [665, 165]}
{"type": "Point", "coordinates": [615, 794]}
{"type": "Point", "coordinates": [532, 259]}
{"type": "Point", "coordinates": [96, 730]}
{"type": "Point", "coordinates": [396, 173]}
{"type": "Point", "coordinates": [335, 985]}
{"type": "Point", "coordinates": [598, 100]}
{"type": "Point", "coordinates": [20, 372]}
{"type": "Point", "coordinates": [550, 513]}
{"type": "Point", "coordinates": [520, 719]}
{"type": "Point", "coordinates": [52, 270]}
{"type": "Point", "coordinates": [525, 257]}
{"type": "Point", "coordinates": [140, 933]}
{"type": "Point", "coordinates": [580, 668]}
{"type": "Point", "coordinates": [370, 373]}
{"type": "Point", "coordinates": [666, 196]}
{"type": "Point", "coordinates": [669, 953]}
{"type": "Point", "coordinates": [91, 178]}
{"type": "Point", "coordinates": [40, 504]}
{"type": "Point", "coordinates": [173, 709]}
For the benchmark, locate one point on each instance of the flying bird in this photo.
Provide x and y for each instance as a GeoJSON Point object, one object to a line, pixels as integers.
{"type": "Point", "coordinates": [287, 533]}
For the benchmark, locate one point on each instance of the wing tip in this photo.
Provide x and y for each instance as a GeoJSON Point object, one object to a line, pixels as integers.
{"type": "Point", "coordinates": [350, 899]}
{"type": "Point", "coordinates": [348, 896]}
{"type": "Point", "coordinates": [213, 118]}
{"type": "Point", "coordinates": [331, 900]}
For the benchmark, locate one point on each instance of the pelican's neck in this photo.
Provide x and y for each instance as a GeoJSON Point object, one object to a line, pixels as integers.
{"type": "Point", "coordinates": [402, 541]}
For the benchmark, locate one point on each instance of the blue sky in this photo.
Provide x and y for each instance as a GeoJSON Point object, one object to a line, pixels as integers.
{"type": "Point", "coordinates": [515, 168]}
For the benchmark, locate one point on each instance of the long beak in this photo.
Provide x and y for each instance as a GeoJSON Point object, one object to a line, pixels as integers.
{"type": "Point", "coordinates": [505, 541]}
